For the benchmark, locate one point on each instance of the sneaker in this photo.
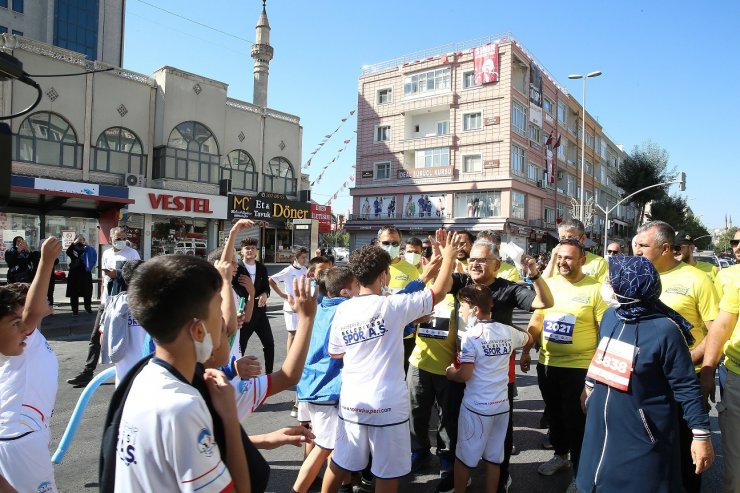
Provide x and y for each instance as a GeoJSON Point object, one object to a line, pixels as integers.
{"type": "Point", "coordinates": [420, 459]}
{"type": "Point", "coordinates": [82, 379]}
{"type": "Point", "coordinates": [572, 488]}
{"type": "Point", "coordinates": [507, 485]}
{"type": "Point", "coordinates": [294, 412]}
{"type": "Point", "coordinates": [554, 465]}
{"type": "Point", "coordinates": [514, 450]}
{"type": "Point", "coordinates": [365, 486]}
{"type": "Point", "coordinates": [346, 488]}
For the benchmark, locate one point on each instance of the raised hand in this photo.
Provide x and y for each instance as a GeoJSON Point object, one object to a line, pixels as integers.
{"type": "Point", "coordinates": [303, 302]}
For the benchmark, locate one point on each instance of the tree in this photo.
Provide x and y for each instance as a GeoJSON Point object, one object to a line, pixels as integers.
{"type": "Point", "coordinates": [723, 242]}
{"type": "Point", "coordinates": [647, 165]}
{"type": "Point", "coordinates": [336, 238]}
{"type": "Point", "coordinates": [674, 210]}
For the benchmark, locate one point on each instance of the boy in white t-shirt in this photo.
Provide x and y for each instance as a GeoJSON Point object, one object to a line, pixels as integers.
{"type": "Point", "coordinates": [367, 331]}
{"type": "Point", "coordinates": [295, 270]}
{"type": "Point", "coordinates": [28, 381]}
{"type": "Point", "coordinates": [484, 366]}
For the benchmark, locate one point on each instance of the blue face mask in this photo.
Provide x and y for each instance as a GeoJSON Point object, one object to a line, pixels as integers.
{"type": "Point", "coordinates": [392, 250]}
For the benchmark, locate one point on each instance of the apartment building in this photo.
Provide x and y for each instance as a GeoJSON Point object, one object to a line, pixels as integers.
{"type": "Point", "coordinates": [445, 141]}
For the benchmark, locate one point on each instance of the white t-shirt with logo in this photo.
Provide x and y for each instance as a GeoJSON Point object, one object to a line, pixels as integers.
{"type": "Point", "coordinates": [368, 331]}
{"type": "Point", "coordinates": [488, 346]}
{"type": "Point", "coordinates": [251, 393]}
{"type": "Point", "coordinates": [115, 260]}
{"type": "Point", "coordinates": [286, 276]}
{"type": "Point", "coordinates": [28, 388]}
{"type": "Point", "coordinates": [165, 441]}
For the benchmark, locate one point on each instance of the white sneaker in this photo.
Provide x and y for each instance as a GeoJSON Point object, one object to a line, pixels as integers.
{"type": "Point", "coordinates": [572, 487]}
{"type": "Point", "coordinates": [554, 465]}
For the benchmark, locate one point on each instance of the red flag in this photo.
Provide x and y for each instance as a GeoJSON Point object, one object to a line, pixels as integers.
{"type": "Point", "coordinates": [549, 140]}
{"type": "Point", "coordinates": [557, 144]}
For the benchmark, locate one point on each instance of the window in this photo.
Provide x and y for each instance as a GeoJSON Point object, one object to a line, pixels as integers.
{"type": "Point", "coordinates": [549, 216]}
{"type": "Point", "coordinates": [560, 211]}
{"type": "Point", "coordinates": [590, 140]}
{"type": "Point", "coordinates": [517, 205]}
{"type": "Point", "coordinates": [18, 5]}
{"type": "Point", "coordinates": [17, 33]}
{"type": "Point", "coordinates": [432, 157]}
{"type": "Point", "coordinates": [571, 185]}
{"type": "Point", "coordinates": [431, 81]}
{"type": "Point", "coordinates": [534, 134]}
{"type": "Point", "coordinates": [385, 96]}
{"type": "Point", "coordinates": [561, 113]}
{"type": "Point", "coordinates": [547, 105]}
{"type": "Point", "coordinates": [562, 149]}
{"type": "Point", "coordinates": [443, 128]}
{"type": "Point", "coordinates": [472, 164]}
{"type": "Point", "coordinates": [3, 29]}
{"type": "Point", "coordinates": [76, 26]}
{"type": "Point", "coordinates": [472, 121]}
{"type": "Point", "coordinates": [382, 133]}
{"type": "Point", "coordinates": [278, 177]}
{"type": "Point", "coordinates": [517, 160]}
{"type": "Point", "coordinates": [382, 171]}
{"type": "Point", "coordinates": [239, 168]}
{"type": "Point", "coordinates": [602, 149]}
{"type": "Point", "coordinates": [533, 172]}
{"type": "Point", "coordinates": [519, 118]}
{"type": "Point", "coordinates": [604, 176]}
{"type": "Point", "coordinates": [589, 169]}
{"type": "Point", "coordinates": [191, 154]}
{"type": "Point", "coordinates": [469, 79]}
{"type": "Point", "coordinates": [47, 138]}
{"type": "Point", "coordinates": [477, 204]}
{"type": "Point", "coordinates": [119, 150]}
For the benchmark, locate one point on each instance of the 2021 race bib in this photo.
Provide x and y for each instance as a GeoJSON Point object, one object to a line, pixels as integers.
{"type": "Point", "coordinates": [558, 327]}
{"type": "Point", "coordinates": [612, 363]}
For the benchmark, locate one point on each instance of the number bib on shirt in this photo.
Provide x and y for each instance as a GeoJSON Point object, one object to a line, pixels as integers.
{"type": "Point", "coordinates": [612, 363]}
{"type": "Point", "coordinates": [558, 327]}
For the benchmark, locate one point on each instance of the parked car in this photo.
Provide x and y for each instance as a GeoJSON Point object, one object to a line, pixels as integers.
{"type": "Point", "coordinates": [341, 253]}
{"type": "Point", "coordinates": [192, 247]}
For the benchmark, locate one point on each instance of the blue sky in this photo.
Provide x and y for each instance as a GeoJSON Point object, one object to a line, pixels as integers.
{"type": "Point", "coordinates": [670, 70]}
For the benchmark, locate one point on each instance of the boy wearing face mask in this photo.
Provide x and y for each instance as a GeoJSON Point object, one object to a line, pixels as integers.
{"type": "Point", "coordinates": [414, 253]}
{"type": "Point", "coordinates": [483, 366]}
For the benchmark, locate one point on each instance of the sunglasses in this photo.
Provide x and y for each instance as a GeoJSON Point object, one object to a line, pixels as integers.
{"type": "Point", "coordinates": [479, 261]}
{"type": "Point", "coordinates": [734, 243]}
{"type": "Point", "coordinates": [390, 243]}
{"type": "Point", "coordinates": [613, 252]}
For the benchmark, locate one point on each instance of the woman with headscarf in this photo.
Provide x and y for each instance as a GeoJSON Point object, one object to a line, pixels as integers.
{"type": "Point", "coordinates": [82, 259]}
{"type": "Point", "coordinates": [641, 371]}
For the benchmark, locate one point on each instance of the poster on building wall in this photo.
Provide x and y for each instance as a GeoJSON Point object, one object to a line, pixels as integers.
{"type": "Point", "coordinates": [424, 206]}
{"type": "Point", "coordinates": [378, 207]}
{"type": "Point", "coordinates": [485, 63]}
{"type": "Point", "coordinates": [535, 95]}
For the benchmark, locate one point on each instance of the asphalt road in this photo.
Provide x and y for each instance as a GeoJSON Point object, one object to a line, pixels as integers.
{"type": "Point", "coordinates": [78, 471]}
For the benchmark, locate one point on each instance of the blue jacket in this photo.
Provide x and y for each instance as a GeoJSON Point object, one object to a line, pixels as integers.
{"type": "Point", "coordinates": [322, 375]}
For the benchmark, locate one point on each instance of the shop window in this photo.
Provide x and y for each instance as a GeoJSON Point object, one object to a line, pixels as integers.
{"type": "Point", "coordinates": [477, 204]}
{"type": "Point", "coordinates": [239, 168]}
{"type": "Point", "coordinates": [279, 177]}
{"type": "Point", "coordinates": [119, 150]}
{"type": "Point", "coordinates": [191, 154]}
{"type": "Point", "coordinates": [47, 138]}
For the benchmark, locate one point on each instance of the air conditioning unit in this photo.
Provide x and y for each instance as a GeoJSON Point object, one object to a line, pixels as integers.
{"type": "Point", "coordinates": [561, 191]}
{"type": "Point", "coordinates": [132, 180]}
{"type": "Point", "coordinates": [541, 184]}
{"type": "Point", "coordinates": [159, 183]}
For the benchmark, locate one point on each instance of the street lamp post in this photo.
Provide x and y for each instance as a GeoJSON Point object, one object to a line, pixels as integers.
{"type": "Point", "coordinates": [595, 73]}
{"type": "Point", "coordinates": [681, 181]}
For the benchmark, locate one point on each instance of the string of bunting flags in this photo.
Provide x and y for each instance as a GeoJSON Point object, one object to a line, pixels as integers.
{"type": "Point", "coordinates": [339, 152]}
{"type": "Point", "coordinates": [350, 178]}
{"type": "Point", "coordinates": [327, 137]}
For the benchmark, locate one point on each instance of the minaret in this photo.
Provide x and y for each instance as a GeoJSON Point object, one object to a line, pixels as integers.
{"type": "Point", "coordinates": [262, 54]}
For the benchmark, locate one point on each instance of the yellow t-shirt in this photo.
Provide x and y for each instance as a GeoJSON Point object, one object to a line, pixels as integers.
{"type": "Point", "coordinates": [726, 277]}
{"type": "Point", "coordinates": [508, 272]}
{"type": "Point", "coordinates": [731, 303]}
{"type": "Point", "coordinates": [595, 267]}
{"type": "Point", "coordinates": [689, 291]}
{"type": "Point", "coordinates": [710, 269]}
{"type": "Point", "coordinates": [402, 273]}
{"type": "Point", "coordinates": [435, 342]}
{"type": "Point", "coordinates": [570, 330]}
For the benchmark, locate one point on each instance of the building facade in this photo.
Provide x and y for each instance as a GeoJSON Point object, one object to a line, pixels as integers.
{"type": "Point", "coordinates": [156, 154]}
{"type": "Point", "coordinates": [91, 27]}
{"type": "Point", "coordinates": [442, 143]}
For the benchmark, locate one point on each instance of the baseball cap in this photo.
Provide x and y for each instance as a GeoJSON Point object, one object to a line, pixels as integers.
{"type": "Point", "coordinates": [683, 238]}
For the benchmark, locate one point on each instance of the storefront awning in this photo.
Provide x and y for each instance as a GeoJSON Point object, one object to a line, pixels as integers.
{"type": "Point", "coordinates": [52, 197]}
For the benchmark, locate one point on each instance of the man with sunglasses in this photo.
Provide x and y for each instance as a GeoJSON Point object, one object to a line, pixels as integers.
{"type": "Point", "coordinates": [483, 268]}
{"type": "Point", "coordinates": [595, 266]}
{"type": "Point", "coordinates": [613, 249]}
{"type": "Point", "coordinates": [683, 250]}
{"type": "Point", "coordinates": [506, 271]}
{"type": "Point", "coordinates": [568, 335]}
{"type": "Point", "coordinates": [689, 291]}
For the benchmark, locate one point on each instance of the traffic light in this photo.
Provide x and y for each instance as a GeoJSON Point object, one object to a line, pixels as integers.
{"type": "Point", "coordinates": [682, 181]}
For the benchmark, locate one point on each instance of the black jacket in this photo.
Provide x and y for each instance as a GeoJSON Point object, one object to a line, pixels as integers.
{"type": "Point", "coordinates": [22, 265]}
{"type": "Point", "coordinates": [261, 284]}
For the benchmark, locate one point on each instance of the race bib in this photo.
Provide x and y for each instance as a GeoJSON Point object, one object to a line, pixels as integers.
{"type": "Point", "coordinates": [612, 363]}
{"type": "Point", "coordinates": [558, 327]}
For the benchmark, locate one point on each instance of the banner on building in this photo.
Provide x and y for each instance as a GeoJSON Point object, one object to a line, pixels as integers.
{"type": "Point", "coordinates": [322, 213]}
{"type": "Point", "coordinates": [269, 207]}
{"type": "Point", "coordinates": [485, 63]}
{"type": "Point", "coordinates": [378, 207]}
{"type": "Point", "coordinates": [424, 206]}
{"type": "Point", "coordinates": [535, 95]}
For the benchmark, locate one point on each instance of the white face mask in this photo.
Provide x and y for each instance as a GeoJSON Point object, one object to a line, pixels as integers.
{"type": "Point", "coordinates": [119, 244]}
{"type": "Point", "coordinates": [204, 348]}
{"type": "Point", "coordinates": [393, 251]}
{"type": "Point", "coordinates": [412, 258]}
{"type": "Point", "coordinates": [472, 319]}
{"type": "Point", "coordinates": [611, 298]}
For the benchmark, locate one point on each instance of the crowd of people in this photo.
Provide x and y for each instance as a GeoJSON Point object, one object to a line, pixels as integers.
{"type": "Point", "coordinates": [628, 352]}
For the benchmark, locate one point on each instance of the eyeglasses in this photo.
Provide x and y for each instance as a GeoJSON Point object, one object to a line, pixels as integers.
{"type": "Point", "coordinates": [479, 260]}
{"type": "Point", "coordinates": [390, 243]}
{"type": "Point", "coordinates": [734, 243]}
{"type": "Point", "coordinates": [613, 252]}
